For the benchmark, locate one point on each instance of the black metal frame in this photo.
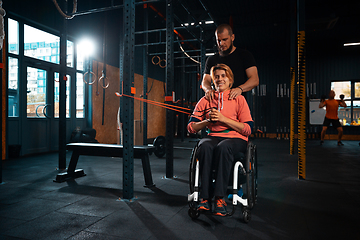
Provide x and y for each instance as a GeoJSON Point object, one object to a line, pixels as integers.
{"type": "Point", "coordinates": [106, 150]}
{"type": "Point", "coordinates": [127, 104]}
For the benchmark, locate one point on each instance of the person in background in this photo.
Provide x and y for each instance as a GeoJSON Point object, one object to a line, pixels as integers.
{"type": "Point", "coordinates": [331, 116]}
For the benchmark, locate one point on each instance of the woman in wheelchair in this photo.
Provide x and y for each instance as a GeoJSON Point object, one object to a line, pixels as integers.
{"type": "Point", "coordinates": [228, 124]}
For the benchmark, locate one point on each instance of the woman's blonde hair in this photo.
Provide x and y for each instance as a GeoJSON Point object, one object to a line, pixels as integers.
{"type": "Point", "coordinates": [226, 68]}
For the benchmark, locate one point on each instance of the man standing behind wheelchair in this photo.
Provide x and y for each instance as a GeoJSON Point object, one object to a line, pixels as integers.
{"type": "Point", "coordinates": [228, 124]}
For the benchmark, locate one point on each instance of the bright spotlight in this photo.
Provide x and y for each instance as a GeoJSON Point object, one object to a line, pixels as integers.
{"type": "Point", "coordinates": [86, 47]}
{"type": "Point", "coordinates": [351, 44]}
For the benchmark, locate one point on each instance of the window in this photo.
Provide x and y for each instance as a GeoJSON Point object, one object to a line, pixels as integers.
{"type": "Point", "coordinates": [357, 90]}
{"type": "Point", "coordinates": [36, 43]}
{"type": "Point", "coordinates": [356, 110]}
{"type": "Point", "coordinates": [13, 42]}
{"type": "Point", "coordinates": [343, 87]}
{"type": "Point", "coordinates": [13, 82]}
{"type": "Point", "coordinates": [80, 58]}
{"type": "Point", "coordinates": [53, 59]}
{"type": "Point", "coordinates": [349, 116]}
{"type": "Point", "coordinates": [80, 96]}
{"type": "Point", "coordinates": [57, 96]}
{"type": "Point", "coordinates": [36, 95]}
{"type": "Point", "coordinates": [43, 46]}
{"type": "Point", "coordinates": [70, 54]}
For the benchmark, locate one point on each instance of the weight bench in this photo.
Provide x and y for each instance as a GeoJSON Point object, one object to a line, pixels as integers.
{"type": "Point", "coordinates": [104, 150]}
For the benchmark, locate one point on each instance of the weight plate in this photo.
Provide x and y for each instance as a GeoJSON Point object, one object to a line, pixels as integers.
{"type": "Point", "coordinates": [159, 144]}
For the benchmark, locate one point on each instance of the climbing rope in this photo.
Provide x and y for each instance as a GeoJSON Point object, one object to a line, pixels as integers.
{"type": "Point", "coordinates": [188, 54]}
{"type": "Point", "coordinates": [2, 32]}
{"type": "Point", "coordinates": [62, 13]}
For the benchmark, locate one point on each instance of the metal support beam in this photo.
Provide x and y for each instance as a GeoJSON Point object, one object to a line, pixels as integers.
{"type": "Point", "coordinates": [2, 116]}
{"type": "Point", "coordinates": [145, 74]}
{"type": "Point", "coordinates": [62, 94]}
{"type": "Point", "coordinates": [157, 30]}
{"type": "Point", "coordinates": [164, 43]}
{"type": "Point", "coordinates": [169, 87]}
{"type": "Point", "coordinates": [163, 53]}
{"type": "Point", "coordinates": [208, 12]}
{"type": "Point", "coordinates": [112, 7]}
{"type": "Point", "coordinates": [183, 87]}
{"type": "Point", "coordinates": [293, 61]}
{"type": "Point", "coordinates": [127, 104]}
{"type": "Point", "coordinates": [186, 57]}
{"type": "Point", "coordinates": [88, 94]}
{"type": "Point", "coordinates": [202, 67]}
{"type": "Point", "coordinates": [186, 28]}
{"type": "Point", "coordinates": [301, 91]}
{"type": "Point", "coordinates": [196, 21]}
{"type": "Point", "coordinates": [193, 65]}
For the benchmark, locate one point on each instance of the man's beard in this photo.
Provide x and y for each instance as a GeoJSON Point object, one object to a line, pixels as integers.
{"type": "Point", "coordinates": [226, 52]}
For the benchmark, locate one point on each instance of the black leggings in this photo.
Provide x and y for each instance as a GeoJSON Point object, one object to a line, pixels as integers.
{"type": "Point", "coordinates": [217, 153]}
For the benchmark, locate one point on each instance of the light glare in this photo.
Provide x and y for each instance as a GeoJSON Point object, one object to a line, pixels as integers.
{"type": "Point", "coordinates": [351, 44]}
{"type": "Point", "coordinates": [86, 47]}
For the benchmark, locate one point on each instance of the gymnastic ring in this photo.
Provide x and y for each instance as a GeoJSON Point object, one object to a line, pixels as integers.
{"type": "Point", "coordinates": [45, 111]}
{"type": "Point", "coordinates": [162, 66]}
{"type": "Point", "coordinates": [104, 78]}
{"type": "Point", "coordinates": [36, 109]}
{"type": "Point", "coordinates": [90, 83]}
{"type": "Point", "coordinates": [152, 60]}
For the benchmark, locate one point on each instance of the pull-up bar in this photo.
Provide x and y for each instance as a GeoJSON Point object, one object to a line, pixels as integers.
{"type": "Point", "coordinates": [104, 9]}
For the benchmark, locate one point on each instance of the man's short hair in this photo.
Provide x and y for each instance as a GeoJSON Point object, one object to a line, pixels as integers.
{"type": "Point", "coordinates": [222, 27]}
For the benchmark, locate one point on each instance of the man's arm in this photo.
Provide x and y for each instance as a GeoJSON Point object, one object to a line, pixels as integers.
{"type": "Point", "coordinates": [342, 103]}
{"type": "Point", "coordinates": [253, 81]}
{"type": "Point", "coordinates": [322, 103]}
{"type": "Point", "coordinates": [206, 86]}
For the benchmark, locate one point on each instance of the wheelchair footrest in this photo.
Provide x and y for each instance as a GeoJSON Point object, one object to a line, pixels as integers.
{"type": "Point", "coordinates": [193, 197]}
{"type": "Point", "coordinates": [237, 198]}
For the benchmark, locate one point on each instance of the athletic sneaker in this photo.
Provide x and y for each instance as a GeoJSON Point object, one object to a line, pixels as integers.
{"type": "Point", "coordinates": [220, 207]}
{"type": "Point", "coordinates": [340, 143]}
{"type": "Point", "coordinates": [204, 205]}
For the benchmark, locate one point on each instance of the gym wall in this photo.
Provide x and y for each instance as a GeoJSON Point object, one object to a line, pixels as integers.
{"type": "Point", "coordinates": [106, 125]}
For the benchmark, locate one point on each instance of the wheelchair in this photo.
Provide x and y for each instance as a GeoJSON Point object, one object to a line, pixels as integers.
{"type": "Point", "coordinates": [249, 171]}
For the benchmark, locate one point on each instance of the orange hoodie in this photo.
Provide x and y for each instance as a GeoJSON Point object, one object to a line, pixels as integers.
{"type": "Point", "coordinates": [236, 109]}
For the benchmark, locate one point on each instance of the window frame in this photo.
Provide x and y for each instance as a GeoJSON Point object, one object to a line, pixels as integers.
{"type": "Point", "coordinates": [354, 122]}
{"type": "Point", "coordinates": [71, 59]}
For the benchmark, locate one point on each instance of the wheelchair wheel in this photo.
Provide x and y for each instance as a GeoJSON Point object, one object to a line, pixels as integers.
{"type": "Point", "coordinates": [192, 169]}
{"type": "Point", "coordinates": [251, 180]}
{"type": "Point", "coordinates": [193, 213]}
{"type": "Point", "coordinates": [246, 215]}
{"type": "Point", "coordinates": [255, 170]}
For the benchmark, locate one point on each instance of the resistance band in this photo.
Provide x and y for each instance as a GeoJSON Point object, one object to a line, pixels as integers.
{"type": "Point", "coordinates": [164, 105]}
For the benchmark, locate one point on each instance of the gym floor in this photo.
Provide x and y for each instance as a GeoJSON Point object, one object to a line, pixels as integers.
{"type": "Point", "coordinates": [324, 206]}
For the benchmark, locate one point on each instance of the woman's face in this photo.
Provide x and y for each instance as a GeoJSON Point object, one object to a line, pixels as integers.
{"type": "Point", "coordinates": [221, 81]}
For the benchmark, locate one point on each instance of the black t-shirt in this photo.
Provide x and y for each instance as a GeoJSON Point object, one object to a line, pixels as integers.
{"type": "Point", "coordinates": [238, 61]}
